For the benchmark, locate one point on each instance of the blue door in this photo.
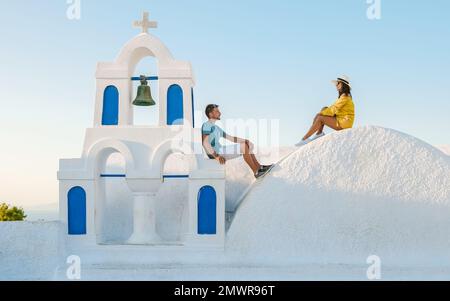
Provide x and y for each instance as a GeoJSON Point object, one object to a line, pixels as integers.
{"type": "Point", "coordinates": [76, 207]}
{"type": "Point", "coordinates": [110, 115]}
{"type": "Point", "coordinates": [175, 105]}
{"type": "Point", "coordinates": [207, 203]}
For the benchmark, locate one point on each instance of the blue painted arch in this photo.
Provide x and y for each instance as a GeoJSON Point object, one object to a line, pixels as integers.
{"type": "Point", "coordinates": [76, 211]}
{"type": "Point", "coordinates": [175, 114]}
{"type": "Point", "coordinates": [207, 208]}
{"type": "Point", "coordinates": [110, 113]}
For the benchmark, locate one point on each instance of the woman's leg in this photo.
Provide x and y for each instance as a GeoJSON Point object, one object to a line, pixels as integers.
{"type": "Point", "coordinates": [321, 121]}
{"type": "Point", "coordinates": [320, 131]}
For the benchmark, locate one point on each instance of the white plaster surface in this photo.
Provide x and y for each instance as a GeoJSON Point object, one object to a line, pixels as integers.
{"type": "Point", "coordinates": [318, 216]}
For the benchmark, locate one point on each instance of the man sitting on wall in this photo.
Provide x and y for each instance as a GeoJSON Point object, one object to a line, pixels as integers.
{"type": "Point", "coordinates": [211, 134]}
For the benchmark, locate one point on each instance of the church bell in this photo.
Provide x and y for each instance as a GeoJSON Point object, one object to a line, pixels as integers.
{"type": "Point", "coordinates": [144, 95]}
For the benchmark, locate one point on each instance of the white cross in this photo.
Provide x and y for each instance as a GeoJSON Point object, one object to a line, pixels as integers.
{"type": "Point", "coordinates": [145, 24]}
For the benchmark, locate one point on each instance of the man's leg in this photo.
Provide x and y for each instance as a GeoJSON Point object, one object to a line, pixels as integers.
{"type": "Point", "coordinates": [252, 154]}
{"type": "Point", "coordinates": [320, 122]}
{"type": "Point", "coordinates": [250, 158]}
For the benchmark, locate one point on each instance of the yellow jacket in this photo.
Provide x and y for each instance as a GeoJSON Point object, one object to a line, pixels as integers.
{"type": "Point", "coordinates": [344, 110]}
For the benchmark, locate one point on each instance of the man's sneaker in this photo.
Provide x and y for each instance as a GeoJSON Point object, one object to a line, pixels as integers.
{"type": "Point", "coordinates": [267, 167]}
{"type": "Point", "coordinates": [261, 172]}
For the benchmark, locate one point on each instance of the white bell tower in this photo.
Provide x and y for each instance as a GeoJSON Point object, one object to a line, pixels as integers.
{"type": "Point", "coordinates": [175, 80]}
{"type": "Point", "coordinates": [144, 151]}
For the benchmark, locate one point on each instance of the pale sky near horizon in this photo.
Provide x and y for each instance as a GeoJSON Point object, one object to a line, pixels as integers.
{"type": "Point", "coordinates": [258, 59]}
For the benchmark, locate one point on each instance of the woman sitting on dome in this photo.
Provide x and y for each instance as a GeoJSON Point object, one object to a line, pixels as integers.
{"type": "Point", "coordinates": [339, 116]}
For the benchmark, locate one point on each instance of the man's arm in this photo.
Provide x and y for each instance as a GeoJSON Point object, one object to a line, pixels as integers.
{"type": "Point", "coordinates": [239, 140]}
{"type": "Point", "coordinates": [210, 150]}
{"type": "Point", "coordinates": [235, 139]}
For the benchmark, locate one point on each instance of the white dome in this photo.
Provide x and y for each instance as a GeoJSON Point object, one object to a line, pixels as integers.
{"type": "Point", "coordinates": [346, 196]}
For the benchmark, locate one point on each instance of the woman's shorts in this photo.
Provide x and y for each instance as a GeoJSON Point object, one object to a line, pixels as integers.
{"type": "Point", "coordinates": [345, 122]}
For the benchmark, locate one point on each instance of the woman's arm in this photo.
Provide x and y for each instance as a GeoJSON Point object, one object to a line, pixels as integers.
{"type": "Point", "coordinates": [335, 108]}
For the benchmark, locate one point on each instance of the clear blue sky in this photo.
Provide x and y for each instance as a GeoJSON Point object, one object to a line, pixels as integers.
{"type": "Point", "coordinates": [257, 58]}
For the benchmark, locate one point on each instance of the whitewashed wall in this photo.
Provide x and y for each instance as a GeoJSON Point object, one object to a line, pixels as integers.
{"type": "Point", "coordinates": [29, 250]}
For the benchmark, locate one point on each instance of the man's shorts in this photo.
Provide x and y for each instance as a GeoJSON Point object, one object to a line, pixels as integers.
{"type": "Point", "coordinates": [229, 152]}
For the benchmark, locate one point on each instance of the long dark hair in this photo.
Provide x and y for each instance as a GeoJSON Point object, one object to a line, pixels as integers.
{"type": "Point", "coordinates": [345, 89]}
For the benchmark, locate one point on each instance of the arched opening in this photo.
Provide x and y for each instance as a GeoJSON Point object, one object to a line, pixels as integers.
{"type": "Point", "coordinates": [175, 105]}
{"type": "Point", "coordinates": [176, 166]}
{"type": "Point", "coordinates": [110, 113]}
{"type": "Point", "coordinates": [172, 152]}
{"type": "Point", "coordinates": [171, 205]}
{"type": "Point", "coordinates": [146, 116]}
{"type": "Point", "coordinates": [115, 201]}
{"type": "Point", "coordinates": [207, 204]}
{"type": "Point", "coordinates": [76, 211]}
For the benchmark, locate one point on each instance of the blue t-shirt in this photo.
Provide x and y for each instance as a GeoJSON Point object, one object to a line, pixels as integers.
{"type": "Point", "coordinates": [214, 133]}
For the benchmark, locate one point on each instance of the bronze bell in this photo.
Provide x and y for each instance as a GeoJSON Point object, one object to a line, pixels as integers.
{"type": "Point", "coordinates": [144, 95]}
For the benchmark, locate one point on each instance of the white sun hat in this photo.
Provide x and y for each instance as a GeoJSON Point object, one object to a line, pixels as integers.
{"type": "Point", "coordinates": [343, 79]}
